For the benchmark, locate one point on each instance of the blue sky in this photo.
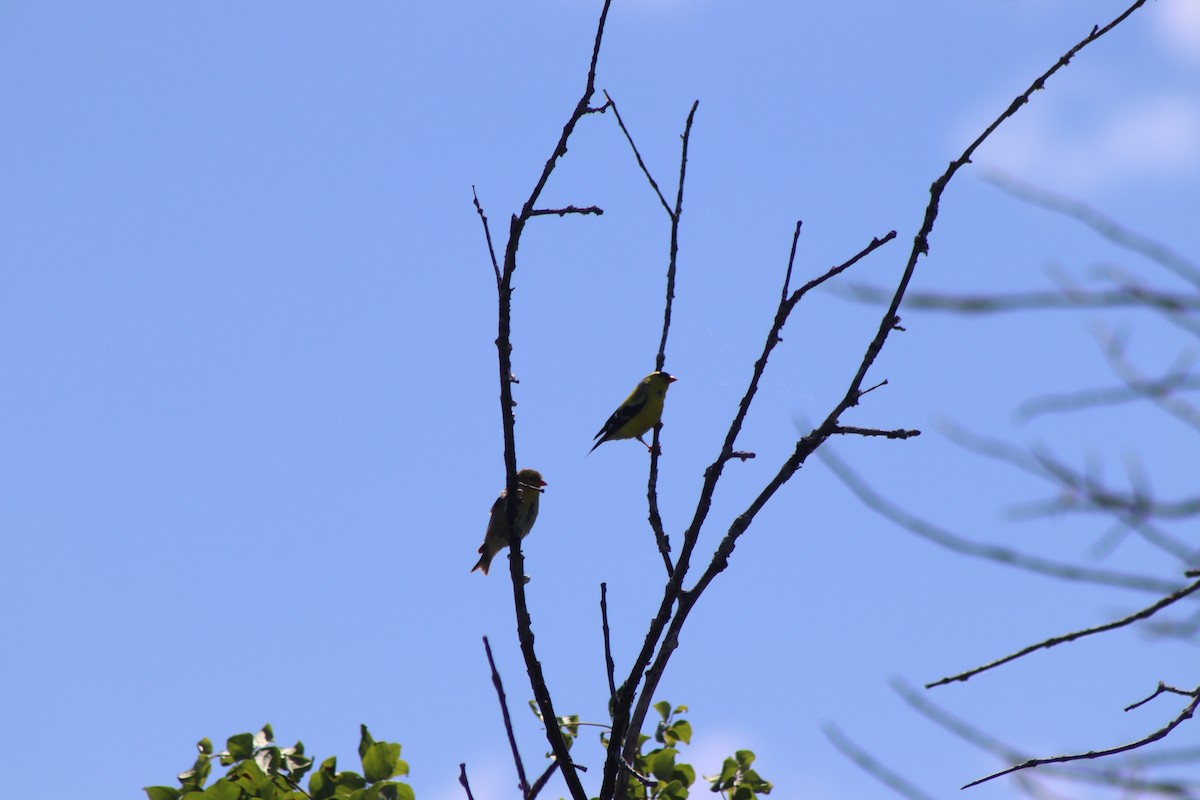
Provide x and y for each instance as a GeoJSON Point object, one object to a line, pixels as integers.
{"type": "Point", "coordinates": [250, 429]}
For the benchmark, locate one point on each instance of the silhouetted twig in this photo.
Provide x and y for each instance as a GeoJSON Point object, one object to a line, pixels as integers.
{"type": "Point", "coordinates": [638, 156]}
{"type": "Point", "coordinates": [504, 350]}
{"type": "Point", "coordinates": [1145, 613]}
{"type": "Point", "coordinates": [562, 212]}
{"type": "Point", "coordinates": [1157, 735]}
{"type": "Point", "coordinates": [463, 782]}
{"type": "Point", "coordinates": [508, 727]}
{"type": "Point", "coordinates": [1120, 778]}
{"type": "Point", "coordinates": [609, 666]}
{"type": "Point", "coordinates": [899, 433]}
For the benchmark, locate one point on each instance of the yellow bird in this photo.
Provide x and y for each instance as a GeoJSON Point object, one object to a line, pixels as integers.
{"type": "Point", "coordinates": [530, 485]}
{"type": "Point", "coordinates": [640, 412]}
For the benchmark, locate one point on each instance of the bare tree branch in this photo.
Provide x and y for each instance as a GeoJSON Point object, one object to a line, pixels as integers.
{"type": "Point", "coordinates": [1122, 297]}
{"type": "Point", "coordinates": [540, 783]}
{"type": "Point", "coordinates": [1161, 733]}
{"type": "Point", "coordinates": [463, 782]}
{"type": "Point", "coordinates": [487, 233]}
{"type": "Point", "coordinates": [638, 156]}
{"type": "Point", "coordinates": [609, 666]}
{"type": "Point", "coordinates": [1078, 492]}
{"type": "Point", "coordinates": [1169, 401]}
{"type": "Point", "coordinates": [1145, 613]}
{"type": "Point", "coordinates": [656, 523]}
{"type": "Point", "coordinates": [1001, 555]}
{"type": "Point", "coordinates": [1170, 383]}
{"type": "Point", "coordinates": [508, 727]}
{"type": "Point", "coordinates": [562, 212]}
{"type": "Point", "coordinates": [1119, 778]}
{"type": "Point", "coordinates": [873, 766]}
{"type": "Point", "coordinates": [504, 349]}
{"type": "Point", "coordinates": [660, 636]}
{"type": "Point", "coordinates": [898, 433]}
{"type": "Point", "coordinates": [1105, 226]}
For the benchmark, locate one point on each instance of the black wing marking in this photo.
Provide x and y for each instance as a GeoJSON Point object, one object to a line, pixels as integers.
{"type": "Point", "coordinates": [627, 411]}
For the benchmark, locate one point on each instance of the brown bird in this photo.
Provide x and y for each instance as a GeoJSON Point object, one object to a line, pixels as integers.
{"type": "Point", "coordinates": [529, 483]}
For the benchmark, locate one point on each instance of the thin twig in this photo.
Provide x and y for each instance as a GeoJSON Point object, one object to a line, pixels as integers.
{"type": "Point", "coordinates": [644, 780]}
{"type": "Point", "coordinates": [676, 217]}
{"type": "Point", "coordinates": [609, 666]}
{"type": "Point", "coordinates": [508, 727]}
{"type": "Point", "coordinates": [1114, 350]}
{"type": "Point", "coordinates": [1001, 555]}
{"type": "Point", "coordinates": [787, 275]}
{"type": "Point", "coordinates": [1101, 224]}
{"type": "Point", "coordinates": [463, 782]}
{"type": "Point", "coordinates": [1132, 391]}
{"type": "Point", "coordinates": [637, 155]}
{"type": "Point", "coordinates": [1123, 297]}
{"type": "Point", "coordinates": [1161, 733]}
{"type": "Point", "coordinates": [898, 433]}
{"type": "Point", "coordinates": [533, 667]}
{"type": "Point", "coordinates": [540, 783]}
{"type": "Point", "coordinates": [664, 626]}
{"type": "Point", "coordinates": [1077, 492]}
{"type": "Point", "coordinates": [562, 212]}
{"type": "Point", "coordinates": [1145, 613]}
{"type": "Point", "coordinates": [487, 233]}
{"type": "Point", "coordinates": [1173, 788]}
{"type": "Point", "coordinates": [1161, 689]}
{"type": "Point", "coordinates": [655, 516]}
{"type": "Point", "coordinates": [871, 765]}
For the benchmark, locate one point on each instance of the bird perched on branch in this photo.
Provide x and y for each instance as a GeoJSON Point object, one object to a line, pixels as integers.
{"type": "Point", "coordinates": [529, 489]}
{"type": "Point", "coordinates": [640, 412]}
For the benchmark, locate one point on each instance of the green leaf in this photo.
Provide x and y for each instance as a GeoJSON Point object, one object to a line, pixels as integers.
{"type": "Point", "coordinates": [322, 784]}
{"type": "Point", "coordinates": [744, 758]}
{"type": "Point", "coordinates": [751, 779]}
{"type": "Point", "coordinates": [364, 740]}
{"type": "Point", "coordinates": [681, 731]}
{"type": "Point", "coordinates": [673, 790]}
{"type": "Point", "coordinates": [685, 774]}
{"type": "Point", "coordinates": [380, 760]}
{"type": "Point", "coordinates": [161, 793]}
{"type": "Point", "coordinates": [298, 765]}
{"type": "Point", "coordinates": [661, 763]}
{"type": "Point", "coordinates": [205, 746]}
{"type": "Point", "coordinates": [265, 736]}
{"type": "Point", "coordinates": [248, 775]}
{"type": "Point", "coordinates": [197, 776]}
{"type": "Point", "coordinates": [663, 708]}
{"type": "Point", "coordinates": [269, 758]}
{"type": "Point", "coordinates": [240, 746]}
{"type": "Point", "coordinates": [728, 775]}
{"type": "Point", "coordinates": [569, 725]}
{"type": "Point", "coordinates": [224, 790]}
{"type": "Point", "coordinates": [390, 790]}
{"type": "Point", "coordinates": [350, 781]}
